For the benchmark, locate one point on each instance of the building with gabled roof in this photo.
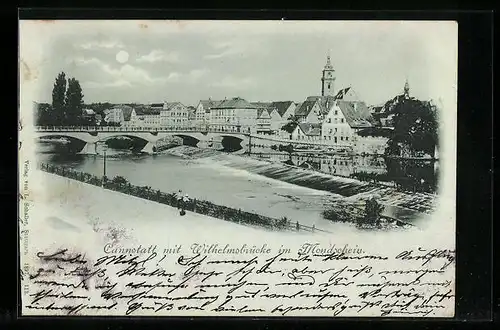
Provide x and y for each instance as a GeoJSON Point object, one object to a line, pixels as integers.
{"type": "Point", "coordinates": [115, 115]}
{"type": "Point", "coordinates": [281, 112]}
{"type": "Point", "coordinates": [202, 113]}
{"type": "Point", "coordinates": [307, 131]}
{"type": "Point", "coordinates": [175, 115]}
{"type": "Point", "coordinates": [309, 111]}
{"type": "Point", "coordinates": [145, 116]}
{"type": "Point", "coordinates": [263, 121]}
{"type": "Point", "coordinates": [344, 119]}
{"type": "Point", "coordinates": [283, 108]}
{"type": "Point", "coordinates": [236, 114]}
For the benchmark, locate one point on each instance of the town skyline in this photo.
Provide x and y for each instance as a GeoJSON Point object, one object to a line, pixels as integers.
{"type": "Point", "coordinates": [258, 61]}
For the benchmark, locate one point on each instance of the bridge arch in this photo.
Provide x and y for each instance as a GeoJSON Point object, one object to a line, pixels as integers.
{"type": "Point", "coordinates": [188, 140]}
{"type": "Point", "coordinates": [227, 141]}
{"type": "Point", "coordinates": [231, 143]}
{"type": "Point", "coordinates": [138, 142]}
{"type": "Point", "coordinates": [75, 144]}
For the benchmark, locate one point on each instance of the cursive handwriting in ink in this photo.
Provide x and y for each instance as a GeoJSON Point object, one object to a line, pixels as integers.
{"type": "Point", "coordinates": [426, 256]}
{"type": "Point", "coordinates": [407, 283]}
{"type": "Point", "coordinates": [61, 256]}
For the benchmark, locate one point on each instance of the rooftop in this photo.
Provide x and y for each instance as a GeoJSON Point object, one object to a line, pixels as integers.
{"type": "Point", "coordinates": [146, 111]}
{"type": "Point", "coordinates": [235, 103]}
{"type": "Point", "coordinates": [305, 108]}
{"type": "Point", "coordinates": [169, 105]}
{"type": "Point", "coordinates": [310, 129]}
{"type": "Point", "coordinates": [208, 104]}
{"type": "Point", "coordinates": [281, 106]}
{"type": "Point", "coordinates": [356, 114]}
{"type": "Point", "coordinates": [261, 112]}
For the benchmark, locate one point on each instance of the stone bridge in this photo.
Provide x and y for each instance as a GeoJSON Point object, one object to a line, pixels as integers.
{"type": "Point", "coordinates": [91, 136]}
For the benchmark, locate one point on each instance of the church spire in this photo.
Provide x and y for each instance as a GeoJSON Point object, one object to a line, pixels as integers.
{"type": "Point", "coordinates": [328, 65]}
{"type": "Point", "coordinates": [328, 79]}
{"type": "Point", "coordinates": [407, 88]}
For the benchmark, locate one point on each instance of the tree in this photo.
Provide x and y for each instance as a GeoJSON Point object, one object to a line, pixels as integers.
{"type": "Point", "coordinates": [415, 128]}
{"type": "Point", "coordinates": [44, 115]}
{"type": "Point", "coordinates": [120, 180]}
{"type": "Point", "coordinates": [99, 109]}
{"type": "Point", "coordinates": [373, 210]}
{"type": "Point", "coordinates": [293, 121]}
{"type": "Point", "coordinates": [74, 102]}
{"type": "Point", "coordinates": [58, 99]}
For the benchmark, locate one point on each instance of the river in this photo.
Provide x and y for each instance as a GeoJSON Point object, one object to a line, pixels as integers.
{"type": "Point", "coordinates": [209, 180]}
{"type": "Point", "coordinates": [251, 185]}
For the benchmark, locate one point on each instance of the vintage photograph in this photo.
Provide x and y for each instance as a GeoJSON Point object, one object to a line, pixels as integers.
{"type": "Point", "coordinates": [163, 132]}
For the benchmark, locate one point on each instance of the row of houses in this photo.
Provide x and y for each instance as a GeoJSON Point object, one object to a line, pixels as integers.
{"type": "Point", "coordinates": [242, 115]}
{"type": "Point", "coordinates": [156, 115]}
{"type": "Point", "coordinates": [336, 118]}
{"type": "Point", "coordinates": [234, 114]}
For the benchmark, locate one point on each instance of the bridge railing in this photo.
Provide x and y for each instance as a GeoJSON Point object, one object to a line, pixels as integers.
{"type": "Point", "coordinates": [233, 130]}
{"type": "Point", "coordinates": [132, 129]}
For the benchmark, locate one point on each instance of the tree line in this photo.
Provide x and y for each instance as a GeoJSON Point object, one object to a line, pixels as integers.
{"type": "Point", "coordinates": [67, 104]}
{"type": "Point", "coordinates": [67, 107]}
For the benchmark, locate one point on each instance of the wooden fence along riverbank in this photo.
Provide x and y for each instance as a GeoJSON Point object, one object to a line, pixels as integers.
{"type": "Point", "coordinates": [208, 208]}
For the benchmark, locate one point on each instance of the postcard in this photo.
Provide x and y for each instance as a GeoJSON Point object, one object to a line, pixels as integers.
{"type": "Point", "coordinates": [237, 168]}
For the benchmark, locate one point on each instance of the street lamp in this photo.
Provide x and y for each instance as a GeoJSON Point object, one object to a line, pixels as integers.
{"type": "Point", "coordinates": [104, 148]}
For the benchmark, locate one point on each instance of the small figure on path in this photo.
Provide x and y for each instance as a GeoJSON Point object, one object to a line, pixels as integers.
{"type": "Point", "coordinates": [184, 202]}
{"type": "Point", "coordinates": [178, 197]}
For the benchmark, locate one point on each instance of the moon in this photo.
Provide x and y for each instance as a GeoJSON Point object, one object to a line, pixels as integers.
{"type": "Point", "coordinates": [122, 56]}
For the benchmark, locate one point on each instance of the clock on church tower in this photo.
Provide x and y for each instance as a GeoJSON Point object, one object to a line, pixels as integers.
{"type": "Point", "coordinates": [328, 79]}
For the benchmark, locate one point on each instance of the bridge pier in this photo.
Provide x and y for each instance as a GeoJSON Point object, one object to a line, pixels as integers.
{"type": "Point", "coordinates": [90, 148]}
{"type": "Point", "coordinates": [202, 144]}
{"type": "Point", "coordinates": [148, 148]}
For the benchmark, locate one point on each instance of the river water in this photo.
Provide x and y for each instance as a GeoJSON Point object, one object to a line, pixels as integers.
{"type": "Point", "coordinates": [246, 183]}
{"type": "Point", "coordinates": [209, 180]}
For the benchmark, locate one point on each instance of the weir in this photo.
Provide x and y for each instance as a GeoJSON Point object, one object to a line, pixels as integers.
{"type": "Point", "coordinates": [149, 148]}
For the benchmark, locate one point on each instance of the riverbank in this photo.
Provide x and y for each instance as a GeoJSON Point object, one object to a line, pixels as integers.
{"type": "Point", "coordinates": [72, 206]}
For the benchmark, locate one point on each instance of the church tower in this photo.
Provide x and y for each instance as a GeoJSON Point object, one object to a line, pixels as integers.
{"type": "Point", "coordinates": [328, 79]}
{"type": "Point", "coordinates": [406, 90]}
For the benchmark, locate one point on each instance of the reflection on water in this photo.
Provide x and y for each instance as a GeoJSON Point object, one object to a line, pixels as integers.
{"type": "Point", "coordinates": [409, 174]}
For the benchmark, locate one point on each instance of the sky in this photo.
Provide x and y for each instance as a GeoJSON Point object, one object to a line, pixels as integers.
{"type": "Point", "coordinates": [186, 61]}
